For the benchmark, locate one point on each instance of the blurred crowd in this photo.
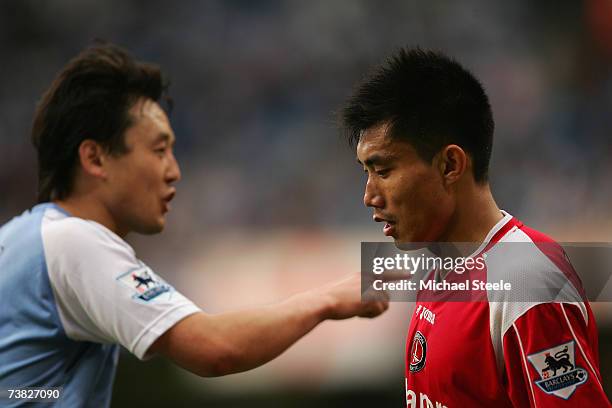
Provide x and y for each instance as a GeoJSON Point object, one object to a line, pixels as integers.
{"type": "Point", "coordinates": [256, 86]}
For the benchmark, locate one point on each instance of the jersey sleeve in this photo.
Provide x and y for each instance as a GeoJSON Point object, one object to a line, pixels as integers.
{"type": "Point", "coordinates": [551, 358]}
{"type": "Point", "coordinates": [103, 292]}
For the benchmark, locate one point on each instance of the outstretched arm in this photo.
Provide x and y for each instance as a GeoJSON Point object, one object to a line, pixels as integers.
{"type": "Point", "coordinates": [215, 345]}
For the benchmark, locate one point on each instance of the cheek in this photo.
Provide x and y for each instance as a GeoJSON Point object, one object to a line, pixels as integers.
{"type": "Point", "coordinates": [133, 184]}
{"type": "Point", "coordinates": [424, 203]}
{"type": "Point", "coordinates": [142, 174]}
{"type": "Point", "coordinates": [440, 208]}
{"type": "Point", "coordinates": [418, 190]}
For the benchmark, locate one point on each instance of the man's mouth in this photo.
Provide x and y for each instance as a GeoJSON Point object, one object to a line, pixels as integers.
{"type": "Point", "coordinates": [389, 226]}
{"type": "Point", "coordinates": [166, 201]}
{"type": "Point", "coordinates": [389, 229]}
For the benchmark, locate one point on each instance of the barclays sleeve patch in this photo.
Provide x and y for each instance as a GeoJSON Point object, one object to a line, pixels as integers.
{"type": "Point", "coordinates": [558, 372]}
{"type": "Point", "coordinates": [145, 284]}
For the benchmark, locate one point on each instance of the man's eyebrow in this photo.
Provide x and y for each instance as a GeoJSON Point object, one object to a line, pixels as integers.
{"type": "Point", "coordinates": [166, 137]}
{"type": "Point", "coordinates": [374, 160]}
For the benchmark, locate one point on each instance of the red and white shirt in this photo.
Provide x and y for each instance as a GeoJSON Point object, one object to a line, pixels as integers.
{"type": "Point", "coordinates": [494, 352]}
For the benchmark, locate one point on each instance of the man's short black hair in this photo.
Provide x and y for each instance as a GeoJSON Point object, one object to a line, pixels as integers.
{"type": "Point", "coordinates": [90, 98]}
{"type": "Point", "coordinates": [430, 101]}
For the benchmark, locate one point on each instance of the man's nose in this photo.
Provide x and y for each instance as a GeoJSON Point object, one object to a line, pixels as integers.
{"type": "Point", "coordinates": [174, 172]}
{"type": "Point", "coordinates": [372, 197]}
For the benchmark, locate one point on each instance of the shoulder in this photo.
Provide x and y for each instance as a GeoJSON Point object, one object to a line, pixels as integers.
{"type": "Point", "coordinates": [71, 243]}
{"type": "Point", "coordinates": [533, 259]}
{"type": "Point", "coordinates": [73, 233]}
{"type": "Point", "coordinates": [539, 272]}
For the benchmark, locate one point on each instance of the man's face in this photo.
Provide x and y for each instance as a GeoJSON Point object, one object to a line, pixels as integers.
{"type": "Point", "coordinates": [406, 193]}
{"type": "Point", "coordinates": [139, 182]}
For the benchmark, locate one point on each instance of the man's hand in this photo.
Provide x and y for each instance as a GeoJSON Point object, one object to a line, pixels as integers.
{"type": "Point", "coordinates": [344, 299]}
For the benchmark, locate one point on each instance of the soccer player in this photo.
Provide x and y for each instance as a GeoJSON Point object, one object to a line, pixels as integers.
{"type": "Point", "coordinates": [71, 288]}
{"type": "Point", "coordinates": [423, 131]}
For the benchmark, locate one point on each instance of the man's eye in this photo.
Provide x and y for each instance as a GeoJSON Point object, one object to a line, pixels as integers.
{"type": "Point", "coordinates": [160, 151]}
{"type": "Point", "coordinates": [382, 173]}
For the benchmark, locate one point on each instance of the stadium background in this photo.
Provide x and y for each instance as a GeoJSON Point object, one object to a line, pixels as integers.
{"type": "Point", "coordinates": [271, 197]}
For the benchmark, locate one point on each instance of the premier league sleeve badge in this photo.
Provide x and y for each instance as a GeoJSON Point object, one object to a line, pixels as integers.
{"type": "Point", "coordinates": [558, 372]}
{"type": "Point", "coordinates": [145, 285]}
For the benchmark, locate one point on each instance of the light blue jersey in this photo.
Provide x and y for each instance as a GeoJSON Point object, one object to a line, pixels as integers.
{"type": "Point", "coordinates": [70, 292]}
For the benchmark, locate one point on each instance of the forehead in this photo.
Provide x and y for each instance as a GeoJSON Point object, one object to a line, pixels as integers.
{"type": "Point", "coordinates": [149, 121]}
{"type": "Point", "coordinates": [376, 142]}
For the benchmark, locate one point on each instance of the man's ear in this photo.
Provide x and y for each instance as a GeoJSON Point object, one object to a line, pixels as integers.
{"type": "Point", "coordinates": [92, 157]}
{"type": "Point", "coordinates": [452, 163]}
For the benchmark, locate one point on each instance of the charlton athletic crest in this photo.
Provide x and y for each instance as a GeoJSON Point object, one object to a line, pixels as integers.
{"type": "Point", "coordinates": [559, 374]}
{"type": "Point", "coordinates": [418, 352]}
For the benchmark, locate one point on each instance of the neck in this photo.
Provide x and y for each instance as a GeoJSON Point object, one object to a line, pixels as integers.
{"type": "Point", "coordinates": [89, 208]}
{"type": "Point", "coordinates": [476, 213]}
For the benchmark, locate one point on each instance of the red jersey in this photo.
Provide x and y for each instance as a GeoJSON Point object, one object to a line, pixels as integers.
{"type": "Point", "coordinates": [500, 353]}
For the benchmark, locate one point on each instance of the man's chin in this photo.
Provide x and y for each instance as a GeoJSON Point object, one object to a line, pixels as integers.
{"type": "Point", "coordinates": [400, 243]}
{"type": "Point", "coordinates": [408, 243]}
{"type": "Point", "coordinates": [151, 229]}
